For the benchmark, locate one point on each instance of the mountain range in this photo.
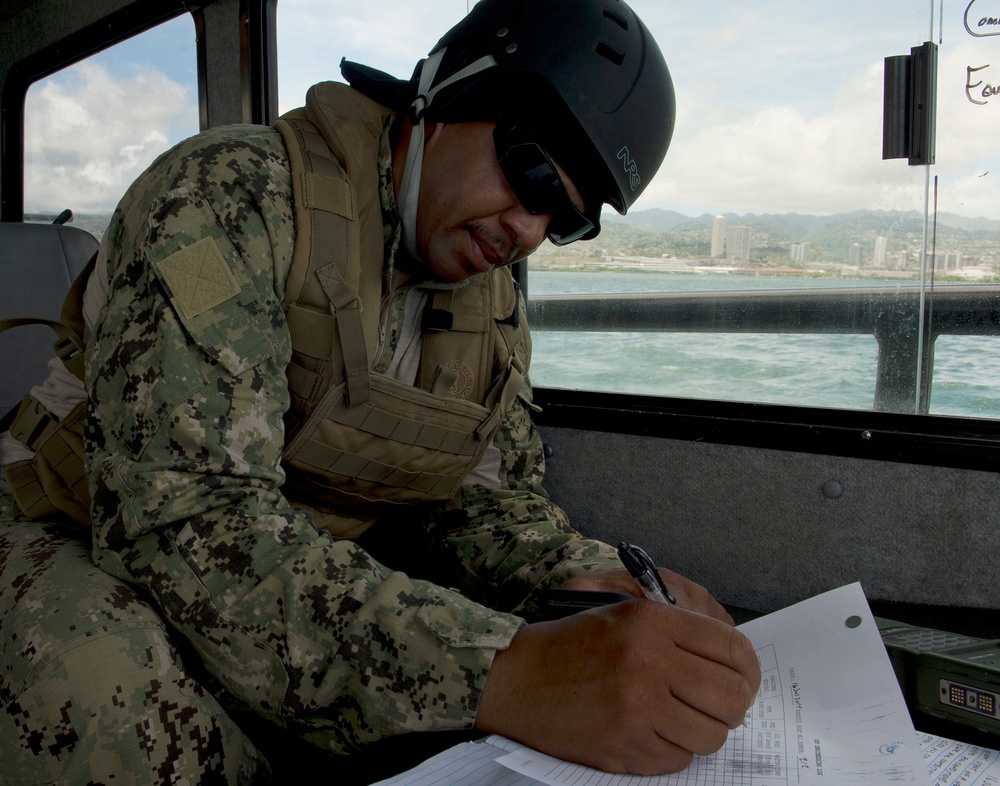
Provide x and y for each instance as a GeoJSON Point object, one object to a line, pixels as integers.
{"type": "Point", "coordinates": [660, 220]}
{"type": "Point", "coordinates": [659, 232]}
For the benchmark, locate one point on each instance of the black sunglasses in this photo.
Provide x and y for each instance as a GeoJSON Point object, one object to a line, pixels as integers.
{"type": "Point", "coordinates": [536, 183]}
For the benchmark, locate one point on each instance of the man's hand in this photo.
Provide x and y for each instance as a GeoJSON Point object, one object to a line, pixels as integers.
{"type": "Point", "coordinates": [634, 687]}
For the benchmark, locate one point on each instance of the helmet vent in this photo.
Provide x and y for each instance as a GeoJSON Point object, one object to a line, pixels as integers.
{"type": "Point", "coordinates": [608, 53]}
{"type": "Point", "coordinates": [622, 23]}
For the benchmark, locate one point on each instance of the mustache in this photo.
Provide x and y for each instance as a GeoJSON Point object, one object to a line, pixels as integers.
{"type": "Point", "coordinates": [504, 249]}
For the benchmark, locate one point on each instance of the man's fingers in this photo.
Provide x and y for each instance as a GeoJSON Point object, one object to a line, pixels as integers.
{"type": "Point", "coordinates": [717, 692]}
{"type": "Point", "coordinates": [633, 687]}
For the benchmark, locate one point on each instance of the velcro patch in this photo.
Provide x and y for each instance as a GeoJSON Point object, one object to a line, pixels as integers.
{"type": "Point", "coordinates": [199, 278]}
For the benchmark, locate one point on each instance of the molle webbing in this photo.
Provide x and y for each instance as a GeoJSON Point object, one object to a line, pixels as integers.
{"type": "Point", "coordinates": [53, 483]}
{"type": "Point", "coordinates": [322, 304]}
{"type": "Point", "coordinates": [397, 448]}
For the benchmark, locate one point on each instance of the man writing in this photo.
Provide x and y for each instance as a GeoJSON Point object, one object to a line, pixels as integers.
{"type": "Point", "coordinates": [309, 437]}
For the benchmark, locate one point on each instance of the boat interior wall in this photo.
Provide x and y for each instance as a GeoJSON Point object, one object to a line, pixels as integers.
{"type": "Point", "coordinates": [764, 528]}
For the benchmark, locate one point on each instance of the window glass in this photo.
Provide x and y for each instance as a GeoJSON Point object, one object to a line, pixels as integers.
{"type": "Point", "coordinates": [839, 275]}
{"type": "Point", "coordinates": [92, 128]}
{"type": "Point", "coordinates": [391, 35]}
{"type": "Point", "coordinates": [776, 257]}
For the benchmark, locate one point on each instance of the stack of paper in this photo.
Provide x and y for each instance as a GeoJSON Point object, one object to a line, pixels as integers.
{"type": "Point", "coordinates": [829, 711]}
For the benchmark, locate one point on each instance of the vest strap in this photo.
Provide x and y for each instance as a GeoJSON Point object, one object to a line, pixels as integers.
{"type": "Point", "coordinates": [347, 310]}
{"type": "Point", "coordinates": [330, 194]}
{"type": "Point", "coordinates": [68, 345]}
{"type": "Point", "coordinates": [32, 424]}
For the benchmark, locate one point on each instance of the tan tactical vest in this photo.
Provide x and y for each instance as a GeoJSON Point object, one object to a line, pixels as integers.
{"type": "Point", "coordinates": [358, 443]}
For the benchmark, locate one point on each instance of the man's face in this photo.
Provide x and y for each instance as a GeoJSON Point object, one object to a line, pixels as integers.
{"type": "Point", "coordinates": [468, 219]}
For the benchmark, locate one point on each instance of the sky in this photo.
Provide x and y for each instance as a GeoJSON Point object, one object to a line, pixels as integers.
{"type": "Point", "coordinates": [779, 101]}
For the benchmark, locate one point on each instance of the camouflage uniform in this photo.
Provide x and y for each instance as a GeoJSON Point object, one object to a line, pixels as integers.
{"type": "Point", "coordinates": [92, 688]}
{"type": "Point", "coordinates": [329, 638]}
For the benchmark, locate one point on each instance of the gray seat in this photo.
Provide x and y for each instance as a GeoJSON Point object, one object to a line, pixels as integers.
{"type": "Point", "coordinates": [38, 263]}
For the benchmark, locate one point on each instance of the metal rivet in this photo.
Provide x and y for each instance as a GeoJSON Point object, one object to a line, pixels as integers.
{"type": "Point", "coordinates": [502, 32]}
{"type": "Point", "coordinates": [866, 434]}
{"type": "Point", "coordinates": [511, 49]}
{"type": "Point", "coordinates": [832, 489]}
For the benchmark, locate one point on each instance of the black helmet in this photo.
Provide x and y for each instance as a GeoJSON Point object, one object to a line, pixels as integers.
{"type": "Point", "coordinates": [582, 78]}
{"type": "Point", "coordinates": [586, 75]}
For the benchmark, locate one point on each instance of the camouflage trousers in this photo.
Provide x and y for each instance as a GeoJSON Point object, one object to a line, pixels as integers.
{"type": "Point", "coordinates": [92, 691]}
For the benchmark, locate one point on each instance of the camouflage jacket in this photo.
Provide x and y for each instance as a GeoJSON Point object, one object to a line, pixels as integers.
{"type": "Point", "coordinates": [345, 641]}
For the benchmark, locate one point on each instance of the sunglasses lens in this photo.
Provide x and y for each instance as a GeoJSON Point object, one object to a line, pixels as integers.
{"type": "Point", "coordinates": [533, 179]}
{"type": "Point", "coordinates": [535, 182]}
{"type": "Point", "coordinates": [562, 232]}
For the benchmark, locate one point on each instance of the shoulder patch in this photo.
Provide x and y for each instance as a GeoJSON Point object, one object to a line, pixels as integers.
{"type": "Point", "coordinates": [199, 277]}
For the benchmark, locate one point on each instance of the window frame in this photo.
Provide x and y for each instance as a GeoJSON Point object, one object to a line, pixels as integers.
{"type": "Point", "coordinates": [929, 440]}
{"type": "Point", "coordinates": [257, 71]}
{"type": "Point", "coordinates": [101, 34]}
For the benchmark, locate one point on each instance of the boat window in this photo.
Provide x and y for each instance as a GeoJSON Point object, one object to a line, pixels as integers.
{"type": "Point", "coordinates": [776, 257]}
{"type": "Point", "coordinates": [90, 129]}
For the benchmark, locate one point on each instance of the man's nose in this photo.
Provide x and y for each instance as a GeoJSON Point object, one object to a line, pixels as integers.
{"type": "Point", "coordinates": [528, 228]}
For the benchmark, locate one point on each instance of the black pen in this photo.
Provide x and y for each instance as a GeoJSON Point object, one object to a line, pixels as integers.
{"type": "Point", "coordinates": [642, 569]}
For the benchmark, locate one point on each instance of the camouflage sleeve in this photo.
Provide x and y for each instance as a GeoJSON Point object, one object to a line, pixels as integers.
{"type": "Point", "coordinates": [513, 540]}
{"type": "Point", "coordinates": [185, 435]}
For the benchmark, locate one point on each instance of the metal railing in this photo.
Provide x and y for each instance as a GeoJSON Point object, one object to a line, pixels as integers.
{"type": "Point", "coordinates": [904, 322]}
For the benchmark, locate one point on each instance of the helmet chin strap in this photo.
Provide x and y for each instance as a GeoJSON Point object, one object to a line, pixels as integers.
{"type": "Point", "coordinates": [409, 187]}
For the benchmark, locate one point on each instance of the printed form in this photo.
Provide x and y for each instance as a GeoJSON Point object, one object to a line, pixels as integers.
{"type": "Point", "coordinates": [829, 712]}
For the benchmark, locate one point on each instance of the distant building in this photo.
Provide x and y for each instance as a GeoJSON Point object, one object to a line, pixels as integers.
{"type": "Point", "coordinates": [718, 237]}
{"type": "Point", "coordinates": [880, 244]}
{"type": "Point", "coordinates": [738, 243]}
{"type": "Point", "coordinates": [953, 260]}
{"type": "Point", "coordinates": [856, 255]}
{"type": "Point", "coordinates": [798, 252]}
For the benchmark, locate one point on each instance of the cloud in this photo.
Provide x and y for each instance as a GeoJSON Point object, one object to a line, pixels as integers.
{"type": "Point", "coordinates": [779, 106]}
{"type": "Point", "coordinates": [391, 35]}
{"type": "Point", "coordinates": [793, 153]}
{"type": "Point", "coordinates": [89, 133]}
{"type": "Point", "coordinates": [778, 158]}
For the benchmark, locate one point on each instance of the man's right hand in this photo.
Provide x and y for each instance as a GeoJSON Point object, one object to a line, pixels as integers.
{"type": "Point", "coordinates": [635, 687]}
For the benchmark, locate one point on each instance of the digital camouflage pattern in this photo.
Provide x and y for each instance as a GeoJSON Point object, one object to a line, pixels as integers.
{"type": "Point", "coordinates": [92, 689]}
{"type": "Point", "coordinates": [342, 642]}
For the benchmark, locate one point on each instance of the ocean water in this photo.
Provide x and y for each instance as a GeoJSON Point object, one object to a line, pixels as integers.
{"type": "Point", "coordinates": [798, 369]}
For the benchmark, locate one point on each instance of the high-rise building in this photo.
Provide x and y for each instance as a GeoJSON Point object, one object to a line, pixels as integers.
{"type": "Point", "coordinates": [880, 245]}
{"type": "Point", "coordinates": [798, 252]}
{"type": "Point", "coordinates": [856, 255]}
{"type": "Point", "coordinates": [718, 237]}
{"type": "Point", "coordinates": [738, 243]}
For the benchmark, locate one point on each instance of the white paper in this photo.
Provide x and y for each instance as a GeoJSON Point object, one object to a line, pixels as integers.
{"type": "Point", "coordinates": [953, 763]}
{"type": "Point", "coordinates": [829, 710]}
{"type": "Point", "coordinates": [949, 763]}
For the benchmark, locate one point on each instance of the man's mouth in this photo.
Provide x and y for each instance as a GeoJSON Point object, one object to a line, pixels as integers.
{"type": "Point", "coordinates": [490, 253]}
